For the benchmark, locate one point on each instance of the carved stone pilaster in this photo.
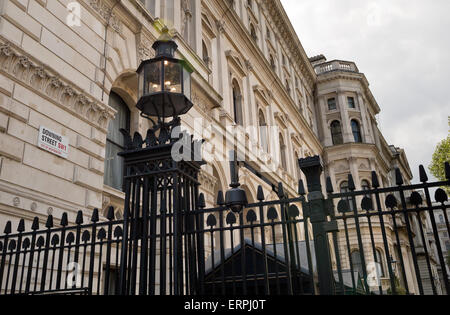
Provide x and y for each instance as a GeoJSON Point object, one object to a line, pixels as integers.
{"type": "Point", "coordinates": [106, 13]}
{"type": "Point", "coordinates": [220, 26]}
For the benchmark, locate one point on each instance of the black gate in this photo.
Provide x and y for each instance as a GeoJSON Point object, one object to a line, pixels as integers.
{"type": "Point", "coordinates": [376, 241]}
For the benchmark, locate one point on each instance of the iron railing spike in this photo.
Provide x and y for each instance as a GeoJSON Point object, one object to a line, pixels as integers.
{"type": "Point", "coordinates": [49, 223]}
{"type": "Point", "coordinates": [398, 177]}
{"type": "Point", "coordinates": [8, 229]}
{"type": "Point", "coordinates": [375, 182]}
{"type": "Point", "coordinates": [110, 214]}
{"type": "Point", "coordinates": [301, 188]}
{"type": "Point", "coordinates": [260, 195]}
{"type": "Point", "coordinates": [21, 227]}
{"type": "Point", "coordinates": [35, 225]}
{"type": "Point", "coordinates": [329, 185]}
{"type": "Point", "coordinates": [95, 218]}
{"type": "Point", "coordinates": [447, 170]}
{"type": "Point", "coordinates": [64, 220]}
{"type": "Point", "coordinates": [220, 199]}
{"type": "Point", "coordinates": [423, 174]}
{"type": "Point", "coordinates": [201, 201]}
{"type": "Point", "coordinates": [351, 183]}
{"type": "Point", "coordinates": [280, 190]}
{"type": "Point", "coordinates": [79, 219]}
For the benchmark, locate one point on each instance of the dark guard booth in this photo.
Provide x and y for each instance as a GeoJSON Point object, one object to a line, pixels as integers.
{"type": "Point", "coordinates": [227, 274]}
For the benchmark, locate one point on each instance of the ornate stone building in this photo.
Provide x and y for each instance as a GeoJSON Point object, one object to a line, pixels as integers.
{"type": "Point", "coordinates": [70, 67]}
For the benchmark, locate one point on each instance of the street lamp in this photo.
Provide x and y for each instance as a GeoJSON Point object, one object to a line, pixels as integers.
{"type": "Point", "coordinates": [235, 198]}
{"type": "Point", "coordinates": [164, 82]}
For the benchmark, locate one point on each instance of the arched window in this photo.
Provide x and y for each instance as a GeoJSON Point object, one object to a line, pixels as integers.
{"type": "Point", "coordinates": [344, 189]}
{"type": "Point", "coordinates": [115, 142]}
{"type": "Point", "coordinates": [263, 132]}
{"type": "Point", "coordinates": [205, 53]}
{"type": "Point", "coordinates": [356, 131]}
{"type": "Point", "coordinates": [356, 262]}
{"type": "Point", "coordinates": [441, 219]}
{"type": "Point", "coordinates": [379, 261]}
{"type": "Point", "coordinates": [283, 153]}
{"type": "Point", "coordinates": [253, 33]}
{"type": "Point", "coordinates": [336, 133]}
{"type": "Point", "coordinates": [237, 104]}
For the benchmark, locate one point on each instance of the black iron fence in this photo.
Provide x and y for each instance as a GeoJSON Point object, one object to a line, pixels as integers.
{"type": "Point", "coordinates": [82, 259]}
{"type": "Point", "coordinates": [375, 241]}
{"type": "Point", "coordinates": [388, 240]}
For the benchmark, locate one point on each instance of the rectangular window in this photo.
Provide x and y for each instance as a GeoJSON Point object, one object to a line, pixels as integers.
{"type": "Point", "coordinates": [351, 102]}
{"type": "Point", "coordinates": [332, 103]}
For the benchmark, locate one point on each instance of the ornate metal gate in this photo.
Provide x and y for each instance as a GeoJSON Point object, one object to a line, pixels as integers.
{"type": "Point", "coordinates": [376, 241]}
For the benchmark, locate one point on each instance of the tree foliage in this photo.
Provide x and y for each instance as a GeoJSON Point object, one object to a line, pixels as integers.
{"type": "Point", "coordinates": [440, 156]}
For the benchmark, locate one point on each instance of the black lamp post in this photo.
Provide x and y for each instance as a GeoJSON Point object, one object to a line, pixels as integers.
{"type": "Point", "coordinates": [164, 83]}
{"type": "Point", "coordinates": [235, 198]}
{"type": "Point", "coordinates": [155, 182]}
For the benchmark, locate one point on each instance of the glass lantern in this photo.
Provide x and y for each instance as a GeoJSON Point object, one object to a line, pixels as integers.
{"type": "Point", "coordinates": [164, 82]}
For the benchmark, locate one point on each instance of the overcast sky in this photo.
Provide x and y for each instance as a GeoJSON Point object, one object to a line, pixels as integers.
{"type": "Point", "coordinates": [402, 46]}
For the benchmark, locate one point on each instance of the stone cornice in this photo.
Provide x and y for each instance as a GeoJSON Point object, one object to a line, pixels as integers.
{"type": "Point", "coordinates": [39, 77]}
{"type": "Point", "coordinates": [286, 31]}
{"type": "Point", "coordinates": [348, 75]}
{"type": "Point", "coordinates": [236, 60]}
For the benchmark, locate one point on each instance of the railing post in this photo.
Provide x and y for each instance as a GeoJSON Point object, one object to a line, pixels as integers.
{"type": "Point", "coordinates": [317, 210]}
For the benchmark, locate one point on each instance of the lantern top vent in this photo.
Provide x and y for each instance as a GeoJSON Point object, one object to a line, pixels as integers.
{"type": "Point", "coordinates": [165, 46]}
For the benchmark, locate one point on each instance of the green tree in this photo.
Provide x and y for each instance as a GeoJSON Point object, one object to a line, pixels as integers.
{"type": "Point", "coordinates": [440, 156]}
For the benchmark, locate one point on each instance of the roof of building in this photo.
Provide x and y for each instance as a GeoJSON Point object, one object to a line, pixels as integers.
{"type": "Point", "coordinates": [317, 58]}
{"type": "Point", "coordinates": [301, 250]}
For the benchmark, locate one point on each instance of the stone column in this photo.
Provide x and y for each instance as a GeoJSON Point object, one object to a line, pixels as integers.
{"type": "Point", "coordinates": [223, 80]}
{"type": "Point", "coordinates": [367, 137]}
{"type": "Point", "coordinates": [327, 140]}
{"type": "Point", "coordinates": [352, 161]}
{"type": "Point", "coordinates": [252, 118]}
{"type": "Point", "coordinates": [290, 159]}
{"type": "Point", "coordinates": [197, 20]}
{"type": "Point", "coordinates": [176, 14]}
{"type": "Point", "coordinates": [345, 123]}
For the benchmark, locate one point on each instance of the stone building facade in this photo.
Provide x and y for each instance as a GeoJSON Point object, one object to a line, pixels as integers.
{"type": "Point", "coordinates": [70, 66]}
